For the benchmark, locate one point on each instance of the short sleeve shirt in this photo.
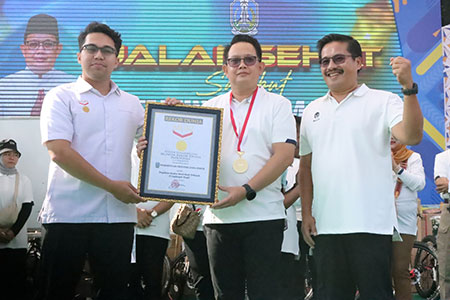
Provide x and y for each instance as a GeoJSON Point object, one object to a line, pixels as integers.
{"type": "Point", "coordinates": [351, 160]}
{"type": "Point", "coordinates": [271, 121]}
{"type": "Point", "coordinates": [102, 130]}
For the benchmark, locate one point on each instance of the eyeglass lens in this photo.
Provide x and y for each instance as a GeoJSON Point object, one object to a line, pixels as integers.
{"type": "Point", "coordinates": [47, 44]}
{"type": "Point", "coordinates": [338, 59]}
{"type": "Point", "coordinates": [236, 61]}
{"type": "Point", "coordinates": [92, 49]}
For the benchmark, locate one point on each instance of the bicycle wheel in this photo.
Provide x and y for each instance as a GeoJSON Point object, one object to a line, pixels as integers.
{"type": "Point", "coordinates": [426, 269]}
{"type": "Point", "coordinates": [430, 240]}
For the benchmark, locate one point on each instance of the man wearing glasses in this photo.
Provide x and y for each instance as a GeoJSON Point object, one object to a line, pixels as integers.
{"type": "Point", "coordinates": [22, 93]}
{"type": "Point", "coordinates": [88, 127]}
{"type": "Point", "coordinates": [347, 193]}
{"type": "Point", "coordinates": [244, 230]}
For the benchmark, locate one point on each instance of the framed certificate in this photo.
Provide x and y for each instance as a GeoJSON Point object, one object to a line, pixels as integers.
{"type": "Point", "coordinates": [181, 161]}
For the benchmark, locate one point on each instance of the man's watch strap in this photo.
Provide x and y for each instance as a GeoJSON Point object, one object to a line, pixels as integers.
{"type": "Point", "coordinates": [250, 193]}
{"type": "Point", "coordinates": [412, 91]}
{"type": "Point", "coordinates": [154, 213]}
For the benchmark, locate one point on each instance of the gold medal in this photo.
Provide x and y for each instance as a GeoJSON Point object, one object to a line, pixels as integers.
{"type": "Point", "coordinates": [181, 145]}
{"type": "Point", "coordinates": [240, 165]}
{"type": "Point", "coordinates": [85, 109]}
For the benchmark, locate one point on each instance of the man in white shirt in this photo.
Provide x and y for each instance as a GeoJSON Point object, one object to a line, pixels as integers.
{"type": "Point", "coordinates": [22, 93]}
{"type": "Point", "coordinates": [88, 127]}
{"type": "Point", "coordinates": [441, 178]}
{"type": "Point", "coordinates": [244, 230]}
{"type": "Point", "coordinates": [346, 164]}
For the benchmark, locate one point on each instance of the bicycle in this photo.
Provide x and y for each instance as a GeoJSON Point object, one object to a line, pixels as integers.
{"type": "Point", "coordinates": [430, 240]}
{"type": "Point", "coordinates": [180, 278]}
{"type": "Point", "coordinates": [424, 271]}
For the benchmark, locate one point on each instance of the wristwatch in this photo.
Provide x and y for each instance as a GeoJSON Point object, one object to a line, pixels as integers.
{"type": "Point", "coordinates": [250, 193]}
{"type": "Point", "coordinates": [412, 91]}
{"type": "Point", "coordinates": [154, 213]}
{"type": "Point", "coordinates": [400, 171]}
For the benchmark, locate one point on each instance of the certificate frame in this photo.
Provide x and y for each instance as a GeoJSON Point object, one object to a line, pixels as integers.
{"type": "Point", "coordinates": [182, 159]}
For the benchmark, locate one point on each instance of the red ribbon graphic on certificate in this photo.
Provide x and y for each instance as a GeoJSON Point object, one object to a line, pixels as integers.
{"type": "Point", "coordinates": [181, 144]}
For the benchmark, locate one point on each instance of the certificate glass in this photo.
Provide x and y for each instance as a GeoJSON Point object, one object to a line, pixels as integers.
{"type": "Point", "coordinates": [181, 161]}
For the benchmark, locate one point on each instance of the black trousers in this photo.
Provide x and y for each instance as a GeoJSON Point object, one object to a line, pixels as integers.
{"type": "Point", "coordinates": [245, 255]}
{"type": "Point", "coordinates": [13, 273]}
{"type": "Point", "coordinates": [150, 252]}
{"type": "Point", "coordinates": [64, 251]}
{"type": "Point", "coordinates": [197, 254]}
{"type": "Point", "coordinates": [345, 262]}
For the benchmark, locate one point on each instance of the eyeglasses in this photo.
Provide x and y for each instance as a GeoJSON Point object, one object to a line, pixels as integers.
{"type": "Point", "coordinates": [11, 154]}
{"type": "Point", "coordinates": [47, 44]}
{"type": "Point", "coordinates": [93, 49]}
{"type": "Point", "coordinates": [236, 61]}
{"type": "Point", "coordinates": [338, 59]}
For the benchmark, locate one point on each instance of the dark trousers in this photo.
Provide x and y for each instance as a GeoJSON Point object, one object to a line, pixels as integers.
{"type": "Point", "coordinates": [293, 270]}
{"type": "Point", "coordinates": [197, 254]}
{"type": "Point", "coordinates": [345, 262]}
{"type": "Point", "coordinates": [150, 252]}
{"type": "Point", "coordinates": [289, 272]}
{"type": "Point", "coordinates": [245, 255]}
{"type": "Point", "coordinates": [13, 273]}
{"type": "Point", "coordinates": [64, 251]}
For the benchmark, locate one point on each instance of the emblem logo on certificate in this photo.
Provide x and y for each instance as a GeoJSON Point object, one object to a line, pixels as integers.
{"type": "Point", "coordinates": [181, 161]}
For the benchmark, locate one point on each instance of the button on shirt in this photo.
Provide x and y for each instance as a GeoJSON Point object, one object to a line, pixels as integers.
{"type": "Point", "coordinates": [101, 129]}
{"type": "Point", "coordinates": [351, 160]}
{"type": "Point", "coordinates": [271, 121]}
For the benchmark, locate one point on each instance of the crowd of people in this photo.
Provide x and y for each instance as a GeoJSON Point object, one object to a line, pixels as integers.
{"type": "Point", "coordinates": [345, 160]}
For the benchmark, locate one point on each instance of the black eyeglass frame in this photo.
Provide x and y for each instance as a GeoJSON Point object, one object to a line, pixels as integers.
{"type": "Point", "coordinates": [93, 49]}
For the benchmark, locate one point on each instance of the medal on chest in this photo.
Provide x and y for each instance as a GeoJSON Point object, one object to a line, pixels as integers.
{"type": "Point", "coordinates": [240, 165]}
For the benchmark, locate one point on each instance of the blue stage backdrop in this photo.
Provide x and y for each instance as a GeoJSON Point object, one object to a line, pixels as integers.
{"type": "Point", "coordinates": [174, 48]}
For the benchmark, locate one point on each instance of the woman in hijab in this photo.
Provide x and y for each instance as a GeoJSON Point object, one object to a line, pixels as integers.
{"type": "Point", "coordinates": [16, 201]}
{"type": "Point", "coordinates": [409, 178]}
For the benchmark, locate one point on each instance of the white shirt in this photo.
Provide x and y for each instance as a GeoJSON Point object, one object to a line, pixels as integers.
{"type": "Point", "coordinates": [290, 235]}
{"type": "Point", "coordinates": [101, 129]}
{"type": "Point", "coordinates": [19, 91]}
{"type": "Point", "coordinates": [160, 226]}
{"type": "Point", "coordinates": [413, 178]}
{"type": "Point", "coordinates": [24, 195]}
{"type": "Point", "coordinates": [442, 165]}
{"type": "Point", "coordinates": [291, 178]}
{"type": "Point", "coordinates": [351, 160]}
{"type": "Point", "coordinates": [271, 121]}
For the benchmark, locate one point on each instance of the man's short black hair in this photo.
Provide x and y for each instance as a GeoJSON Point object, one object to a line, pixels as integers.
{"type": "Point", "coordinates": [246, 39]}
{"type": "Point", "coordinates": [354, 48]}
{"type": "Point", "coordinates": [102, 28]}
{"type": "Point", "coordinates": [42, 24]}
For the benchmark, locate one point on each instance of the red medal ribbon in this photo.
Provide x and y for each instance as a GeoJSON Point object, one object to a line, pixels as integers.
{"type": "Point", "coordinates": [240, 136]}
{"type": "Point", "coordinates": [182, 135]}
